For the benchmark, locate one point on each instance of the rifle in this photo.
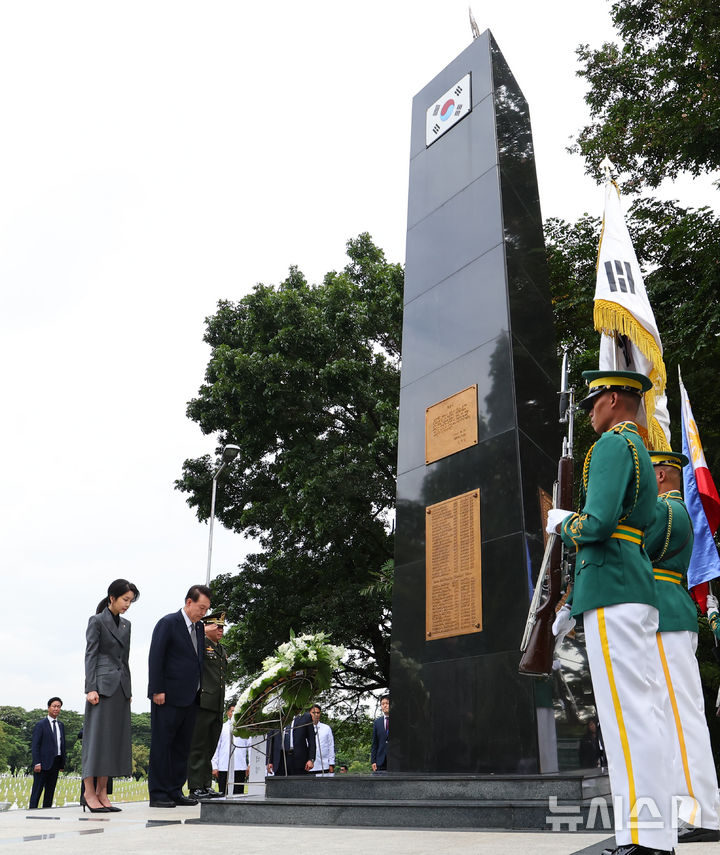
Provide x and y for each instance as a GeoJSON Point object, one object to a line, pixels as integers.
{"type": "Point", "coordinates": [538, 642]}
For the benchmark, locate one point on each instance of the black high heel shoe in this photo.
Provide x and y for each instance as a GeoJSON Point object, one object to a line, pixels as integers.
{"type": "Point", "coordinates": [112, 808]}
{"type": "Point", "coordinates": [101, 809]}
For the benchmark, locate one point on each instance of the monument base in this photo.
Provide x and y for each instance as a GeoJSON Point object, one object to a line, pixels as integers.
{"type": "Point", "coordinates": [576, 801]}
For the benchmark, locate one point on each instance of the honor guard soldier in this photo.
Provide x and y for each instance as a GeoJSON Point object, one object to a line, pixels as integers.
{"type": "Point", "coordinates": [669, 544]}
{"type": "Point", "coordinates": [713, 616]}
{"type": "Point", "coordinates": [614, 591]}
{"type": "Point", "coordinates": [211, 710]}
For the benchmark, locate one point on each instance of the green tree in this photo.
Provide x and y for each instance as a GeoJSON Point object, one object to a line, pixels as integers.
{"type": "Point", "coordinates": [3, 749]}
{"type": "Point", "coordinates": [18, 725]}
{"type": "Point", "coordinates": [73, 761]}
{"type": "Point", "coordinates": [140, 761]}
{"type": "Point", "coordinates": [140, 728]}
{"type": "Point", "coordinates": [677, 249]}
{"type": "Point", "coordinates": [352, 741]}
{"type": "Point", "coordinates": [655, 98]}
{"type": "Point", "coordinates": [16, 750]}
{"type": "Point", "coordinates": [305, 379]}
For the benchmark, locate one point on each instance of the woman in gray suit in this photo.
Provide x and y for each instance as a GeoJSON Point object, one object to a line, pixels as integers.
{"type": "Point", "coordinates": [107, 749]}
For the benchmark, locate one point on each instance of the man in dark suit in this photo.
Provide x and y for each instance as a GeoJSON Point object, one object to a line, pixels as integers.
{"type": "Point", "coordinates": [48, 754]}
{"type": "Point", "coordinates": [175, 667]}
{"type": "Point", "coordinates": [292, 751]}
{"type": "Point", "coordinates": [380, 736]}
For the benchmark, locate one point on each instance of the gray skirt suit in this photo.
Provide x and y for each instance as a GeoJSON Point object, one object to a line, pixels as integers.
{"type": "Point", "coordinates": [107, 745]}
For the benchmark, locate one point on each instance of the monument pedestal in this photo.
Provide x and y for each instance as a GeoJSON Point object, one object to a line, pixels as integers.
{"type": "Point", "coordinates": [477, 802]}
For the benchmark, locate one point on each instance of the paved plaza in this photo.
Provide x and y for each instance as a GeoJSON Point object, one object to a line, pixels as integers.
{"type": "Point", "coordinates": [142, 829]}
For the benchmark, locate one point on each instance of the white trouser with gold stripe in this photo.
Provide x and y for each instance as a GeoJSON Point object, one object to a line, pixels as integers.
{"type": "Point", "coordinates": [694, 778]}
{"type": "Point", "coordinates": [624, 665]}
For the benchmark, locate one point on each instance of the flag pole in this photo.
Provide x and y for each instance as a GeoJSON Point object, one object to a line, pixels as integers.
{"type": "Point", "coordinates": [607, 167]}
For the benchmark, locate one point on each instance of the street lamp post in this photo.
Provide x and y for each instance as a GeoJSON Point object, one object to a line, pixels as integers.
{"type": "Point", "coordinates": [230, 452]}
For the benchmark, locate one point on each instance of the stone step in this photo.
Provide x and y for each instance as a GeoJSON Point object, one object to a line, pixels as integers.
{"type": "Point", "coordinates": [570, 787]}
{"type": "Point", "coordinates": [406, 813]}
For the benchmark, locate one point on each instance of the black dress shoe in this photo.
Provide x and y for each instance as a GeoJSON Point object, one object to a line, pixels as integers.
{"type": "Point", "coordinates": [636, 849]}
{"type": "Point", "coordinates": [161, 803]}
{"type": "Point", "coordinates": [696, 834]}
{"type": "Point", "coordinates": [185, 800]}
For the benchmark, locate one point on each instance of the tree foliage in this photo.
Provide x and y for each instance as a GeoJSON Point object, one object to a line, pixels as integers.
{"type": "Point", "coordinates": [305, 380]}
{"type": "Point", "coordinates": [140, 761]}
{"type": "Point", "coordinates": [18, 723]}
{"type": "Point", "coordinates": [677, 249]}
{"type": "Point", "coordinates": [654, 98]}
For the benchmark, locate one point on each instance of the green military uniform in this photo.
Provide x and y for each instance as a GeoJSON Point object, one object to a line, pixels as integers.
{"type": "Point", "coordinates": [610, 567]}
{"type": "Point", "coordinates": [615, 593]}
{"type": "Point", "coordinates": [210, 716]}
{"type": "Point", "coordinates": [669, 543]}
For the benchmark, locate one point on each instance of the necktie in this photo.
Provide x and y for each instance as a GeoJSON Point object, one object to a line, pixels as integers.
{"type": "Point", "coordinates": [387, 725]}
{"type": "Point", "coordinates": [193, 636]}
{"type": "Point", "coordinates": [55, 734]}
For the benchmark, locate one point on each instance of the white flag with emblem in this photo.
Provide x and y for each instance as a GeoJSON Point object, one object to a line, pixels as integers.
{"type": "Point", "coordinates": [623, 314]}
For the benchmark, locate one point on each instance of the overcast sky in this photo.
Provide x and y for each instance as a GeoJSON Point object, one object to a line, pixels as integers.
{"type": "Point", "coordinates": [156, 157]}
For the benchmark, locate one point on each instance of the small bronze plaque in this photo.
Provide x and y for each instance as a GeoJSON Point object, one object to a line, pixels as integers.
{"type": "Point", "coordinates": [451, 425]}
{"type": "Point", "coordinates": [453, 581]}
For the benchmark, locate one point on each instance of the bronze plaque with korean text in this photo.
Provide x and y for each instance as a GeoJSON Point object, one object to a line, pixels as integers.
{"type": "Point", "coordinates": [451, 425]}
{"type": "Point", "coordinates": [453, 581]}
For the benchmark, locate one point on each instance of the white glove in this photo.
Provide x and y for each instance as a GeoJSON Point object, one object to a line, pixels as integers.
{"type": "Point", "coordinates": [563, 623]}
{"type": "Point", "coordinates": [712, 604]}
{"type": "Point", "coordinates": [554, 518]}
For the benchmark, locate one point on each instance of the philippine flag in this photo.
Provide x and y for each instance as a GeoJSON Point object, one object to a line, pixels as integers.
{"type": "Point", "coordinates": [701, 498]}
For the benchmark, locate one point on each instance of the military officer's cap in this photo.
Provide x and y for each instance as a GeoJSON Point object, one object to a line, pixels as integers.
{"type": "Point", "coordinates": [600, 381]}
{"type": "Point", "coordinates": [217, 617]}
{"type": "Point", "coordinates": [669, 458]}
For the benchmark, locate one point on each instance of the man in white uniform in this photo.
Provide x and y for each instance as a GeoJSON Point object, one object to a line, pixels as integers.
{"type": "Point", "coordinates": [230, 760]}
{"type": "Point", "coordinates": [324, 743]}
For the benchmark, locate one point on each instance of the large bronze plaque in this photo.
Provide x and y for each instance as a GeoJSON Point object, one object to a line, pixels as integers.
{"type": "Point", "coordinates": [453, 582]}
{"type": "Point", "coordinates": [451, 425]}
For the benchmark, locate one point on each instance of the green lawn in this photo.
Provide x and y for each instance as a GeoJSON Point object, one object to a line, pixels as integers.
{"type": "Point", "coordinates": [16, 790]}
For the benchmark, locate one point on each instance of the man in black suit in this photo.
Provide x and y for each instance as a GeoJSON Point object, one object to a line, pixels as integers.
{"type": "Point", "coordinates": [48, 754]}
{"type": "Point", "coordinates": [175, 668]}
{"type": "Point", "coordinates": [380, 736]}
{"type": "Point", "coordinates": [298, 754]}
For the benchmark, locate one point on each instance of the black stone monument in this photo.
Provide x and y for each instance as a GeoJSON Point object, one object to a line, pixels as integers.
{"type": "Point", "coordinates": [476, 311]}
{"type": "Point", "coordinates": [468, 734]}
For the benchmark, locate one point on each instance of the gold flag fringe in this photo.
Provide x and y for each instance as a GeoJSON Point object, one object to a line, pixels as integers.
{"type": "Point", "coordinates": [657, 441]}
{"type": "Point", "coordinates": [611, 318]}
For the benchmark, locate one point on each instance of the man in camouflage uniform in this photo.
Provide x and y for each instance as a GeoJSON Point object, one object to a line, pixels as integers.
{"type": "Point", "coordinates": [211, 709]}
